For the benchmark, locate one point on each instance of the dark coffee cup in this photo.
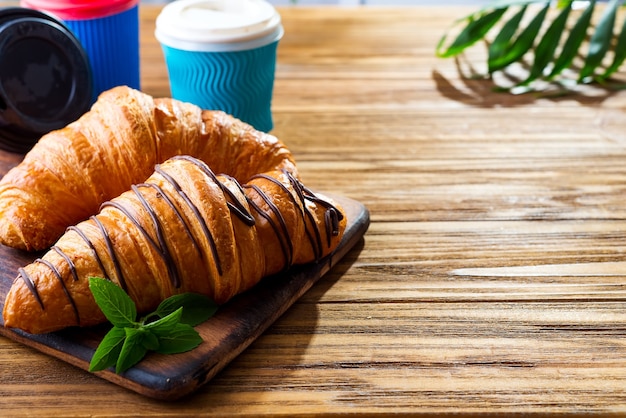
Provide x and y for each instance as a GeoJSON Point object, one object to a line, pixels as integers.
{"type": "Point", "coordinates": [45, 77]}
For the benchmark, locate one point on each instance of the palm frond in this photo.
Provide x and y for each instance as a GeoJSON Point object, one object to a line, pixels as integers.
{"type": "Point", "coordinates": [620, 53]}
{"type": "Point", "coordinates": [550, 35]}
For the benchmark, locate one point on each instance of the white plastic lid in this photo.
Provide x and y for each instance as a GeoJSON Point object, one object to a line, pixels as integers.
{"type": "Point", "coordinates": [210, 25]}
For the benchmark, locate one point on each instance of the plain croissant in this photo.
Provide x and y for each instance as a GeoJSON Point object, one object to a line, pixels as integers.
{"type": "Point", "coordinates": [71, 171]}
{"type": "Point", "coordinates": [183, 230]}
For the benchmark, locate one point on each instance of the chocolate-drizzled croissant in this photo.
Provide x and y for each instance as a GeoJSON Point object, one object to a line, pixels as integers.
{"type": "Point", "coordinates": [116, 144]}
{"type": "Point", "coordinates": [184, 229]}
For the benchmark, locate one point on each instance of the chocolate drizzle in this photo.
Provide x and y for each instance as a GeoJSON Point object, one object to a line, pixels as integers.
{"type": "Point", "coordinates": [68, 260]}
{"type": "Point", "coordinates": [233, 203]}
{"type": "Point", "coordinates": [91, 246]}
{"type": "Point", "coordinates": [161, 194]}
{"type": "Point", "coordinates": [30, 285]}
{"type": "Point", "coordinates": [281, 233]}
{"type": "Point", "coordinates": [57, 274]}
{"type": "Point", "coordinates": [332, 216]}
{"type": "Point", "coordinates": [205, 229]}
{"type": "Point", "coordinates": [161, 246]}
{"type": "Point", "coordinates": [111, 250]}
{"type": "Point", "coordinates": [242, 210]}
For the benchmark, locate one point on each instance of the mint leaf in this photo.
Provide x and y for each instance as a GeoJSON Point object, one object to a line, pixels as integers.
{"type": "Point", "coordinates": [108, 351]}
{"type": "Point", "coordinates": [132, 351]}
{"type": "Point", "coordinates": [149, 339]}
{"type": "Point", "coordinates": [197, 308]}
{"type": "Point", "coordinates": [182, 338]}
{"type": "Point", "coordinates": [129, 341]}
{"type": "Point", "coordinates": [115, 304]}
{"type": "Point", "coordinates": [165, 324]}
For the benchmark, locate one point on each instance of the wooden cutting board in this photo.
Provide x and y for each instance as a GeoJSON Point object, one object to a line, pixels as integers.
{"type": "Point", "coordinates": [235, 326]}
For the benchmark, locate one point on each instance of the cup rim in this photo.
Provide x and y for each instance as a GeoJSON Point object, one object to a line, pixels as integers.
{"type": "Point", "coordinates": [197, 24]}
{"type": "Point", "coordinates": [81, 9]}
{"type": "Point", "coordinates": [186, 45]}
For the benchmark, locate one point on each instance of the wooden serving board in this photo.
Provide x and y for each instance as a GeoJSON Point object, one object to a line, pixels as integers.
{"type": "Point", "coordinates": [235, 326]}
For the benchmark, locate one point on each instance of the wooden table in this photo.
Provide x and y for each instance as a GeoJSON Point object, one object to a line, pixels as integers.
{"type": "Point", "coordinates": [492, 278]}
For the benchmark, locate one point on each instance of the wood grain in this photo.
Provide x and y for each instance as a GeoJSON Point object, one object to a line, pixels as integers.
{"type": "Point", "coordinates": [491, 279]}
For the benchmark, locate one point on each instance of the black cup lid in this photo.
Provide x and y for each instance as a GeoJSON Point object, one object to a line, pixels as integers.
{"type": "Point", "coordinates": [45, 77]}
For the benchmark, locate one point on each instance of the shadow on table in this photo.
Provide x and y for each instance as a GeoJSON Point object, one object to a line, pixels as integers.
{"type": "Point", "coordinates": [468, 87]}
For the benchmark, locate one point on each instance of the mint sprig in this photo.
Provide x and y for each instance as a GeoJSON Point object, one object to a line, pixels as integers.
{"type": "Point", "coordinates": [167, 330]}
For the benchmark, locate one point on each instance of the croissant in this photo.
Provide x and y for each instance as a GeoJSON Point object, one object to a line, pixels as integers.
{"type": "Point", "coordinates": [185, 229]}
{"type": "Point", "coordinates": [70, 172]}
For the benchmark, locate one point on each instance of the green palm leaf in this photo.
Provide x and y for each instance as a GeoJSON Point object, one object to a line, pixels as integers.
{"type": "Point", "coordinates": [546, 48]}
{"type": "Point", "coordinates": [522, 44]}
{"type": "Point", "coordinates": [600, 40]}
{"type": "Point", "coordinates": [620, 54]}
{"type": "Point", "coordinates": [502, 41]}
{"type": "Point", "coordinates": [574, 41]}
{"type": "Point", "coordinates": [553, 42]}
{"type": "Point", "coordinates": [475, 30]}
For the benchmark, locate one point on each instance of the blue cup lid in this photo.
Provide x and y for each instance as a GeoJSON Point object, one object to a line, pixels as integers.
{"type": "Point", "coordinates": [45, 77]}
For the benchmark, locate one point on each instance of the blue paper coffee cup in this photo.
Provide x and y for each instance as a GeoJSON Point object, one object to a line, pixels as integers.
{"type": "Point", "coordinates": [221, 55]}
{"type": "Point", "coordinates": [108, 31]}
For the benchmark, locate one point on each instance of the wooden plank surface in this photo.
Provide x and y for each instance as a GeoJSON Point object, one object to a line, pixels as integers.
{"type": "Point", "coordinates": [492, 278]}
